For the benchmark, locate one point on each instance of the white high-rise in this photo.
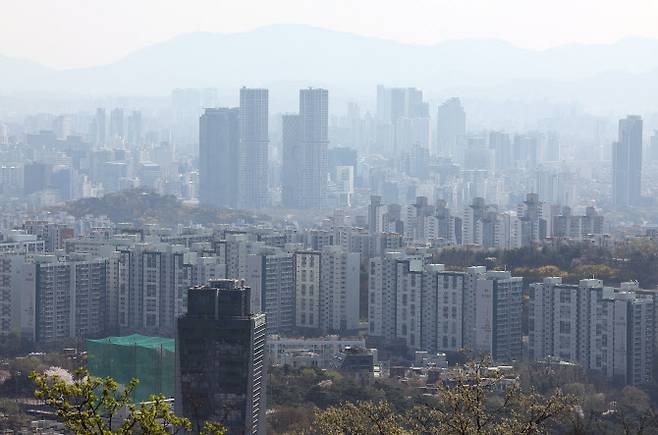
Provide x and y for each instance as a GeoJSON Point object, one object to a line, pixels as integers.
{"type": "Point", "coordinates": [339, 290]}
{"type": "Point", "coordinates": [609, 330]}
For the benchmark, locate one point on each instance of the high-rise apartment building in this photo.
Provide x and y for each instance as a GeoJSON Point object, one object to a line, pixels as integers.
{"type": "Point", "coordinates": [339, 291]}
{"type": "Point", "coordinates": [605, 329]}
{"type": "Point", "coordinates": [70, 296]}
{"type": "Point", "coordinates": [221, 360]}
{"type": "Point", "coordinates": [428, 308]}
{"type": "Point", "coordinates": [305, 140]}
{"type": "Point", "coordinates": [271, 274]}
{"type": "Point", "coordinates": [314, 126]}
{"type": "Point", "coordinates": [307, 290]}
{"type": "Point", "coordinates": [253, 155]}
{"type": "Point", "coordinates": [627, 163]}
{"type": "Point", "coordinates": [219, 146]}
{"type": "Point", "coordinates": [152, 288]}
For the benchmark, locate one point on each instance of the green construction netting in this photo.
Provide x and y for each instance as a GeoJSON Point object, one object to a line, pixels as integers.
{"type": "Point", "coordinates": [149, 359]}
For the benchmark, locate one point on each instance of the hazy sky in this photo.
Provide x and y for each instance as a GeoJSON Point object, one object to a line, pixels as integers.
{"type": "Point", "coordinates": [68, 33]}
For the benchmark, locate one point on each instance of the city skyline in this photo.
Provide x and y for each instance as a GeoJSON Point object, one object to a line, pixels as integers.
{"type": "Point", "coordinates": [400, 213]}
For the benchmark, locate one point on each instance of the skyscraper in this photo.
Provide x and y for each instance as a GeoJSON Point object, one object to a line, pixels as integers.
{"type": "Point", "coordinates": [314, 125]}
{"type": "Point", "coordinates": [219, 143]}
{"type": "Point", "coordinates": [291, 176]}
{"type": "Point", "coordinates": [450, 128]}
{"type": "Point", "coordinates": [254, 139]}
{"type": "Point", "coordinates": [220, 359]}
{"type": "Point", "coordinates": [405, 115]}
{"type": "Point", "coordinates": [100, 127]}
{"type": "Point", "coordinates": [116, 124]}
{"type": "Point", "coordinates": [627, 162]}
{"type": "Point", "coordinates": [134, 129]}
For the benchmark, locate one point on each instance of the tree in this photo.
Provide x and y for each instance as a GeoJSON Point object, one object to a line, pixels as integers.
{"type": "Point", "coordinates": [91, 405]}
{"type": "Point", "coordinates": [362, 418]}
{"type": "Point", "coordinates": [470, 405]}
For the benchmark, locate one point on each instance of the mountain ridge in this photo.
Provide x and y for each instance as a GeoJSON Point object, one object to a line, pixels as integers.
{"type": "Point", "coordinates": [299, 53]}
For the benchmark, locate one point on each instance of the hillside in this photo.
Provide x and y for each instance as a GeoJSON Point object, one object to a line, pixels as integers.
{"type": "Point", "coordinates": [140, 206]}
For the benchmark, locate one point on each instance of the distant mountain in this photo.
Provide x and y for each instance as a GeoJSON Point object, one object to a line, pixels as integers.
{"type": "Point", "coordinates": [302, 54]}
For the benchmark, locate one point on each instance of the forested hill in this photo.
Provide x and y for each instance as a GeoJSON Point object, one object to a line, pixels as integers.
{"type": "Point", "coordinates": [142, 206]}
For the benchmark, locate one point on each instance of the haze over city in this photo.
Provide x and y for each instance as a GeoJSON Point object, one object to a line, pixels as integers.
{"type": "Point", "coordinates": [326, 217]}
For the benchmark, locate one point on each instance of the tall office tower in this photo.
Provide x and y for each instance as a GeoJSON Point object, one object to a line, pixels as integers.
{"type": "Point", "coordinates": [100, 138]}
{"type": "Point", "coordinates": [502, 147]}
{"type": "Point", "coordinates": [220, 359]}
{"type": "Point", "coordinates": [307, 290]}
{"type": "Point", "coordinates": [219, 143]}
{"type": "Point", "coordinates": [339, 291]}
{"type": "Point", "coordinates": [134, 130]}
{"type": "Point", "coordinates": [450, 128]}
{"type": "Point", "coordinates": [403, 117]}
{"type": "Point", "coordinates": [271, 274]}
{"type": "Point", "coordinates": [117, 131]}
{"type": "Point", "coordinates": [396, 103]}
{"type": "Point", "coordinates": [292, 160]}
{"type": "Point", "coordinates": [609, 330]}
{"type": "Point", "coordinates": [254, 140]}
{"type": "Point", "coordinates": [627, 163]}
{"type": "Point", "coordinates": [314, 124]}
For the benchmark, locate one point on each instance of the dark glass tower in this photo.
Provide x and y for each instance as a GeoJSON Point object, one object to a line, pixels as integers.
{"type": "Point", "coordinates": [220, 359]}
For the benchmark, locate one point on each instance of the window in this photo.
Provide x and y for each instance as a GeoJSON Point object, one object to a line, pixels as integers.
{"type": "Point", "coordinates": [150, 260]}
{"type": "Point", "coordinates": [150, 290]}
{"type": "Point", "coordinates": [565, 327]}
{"type": "Point", "coordinates": [150, 320]}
